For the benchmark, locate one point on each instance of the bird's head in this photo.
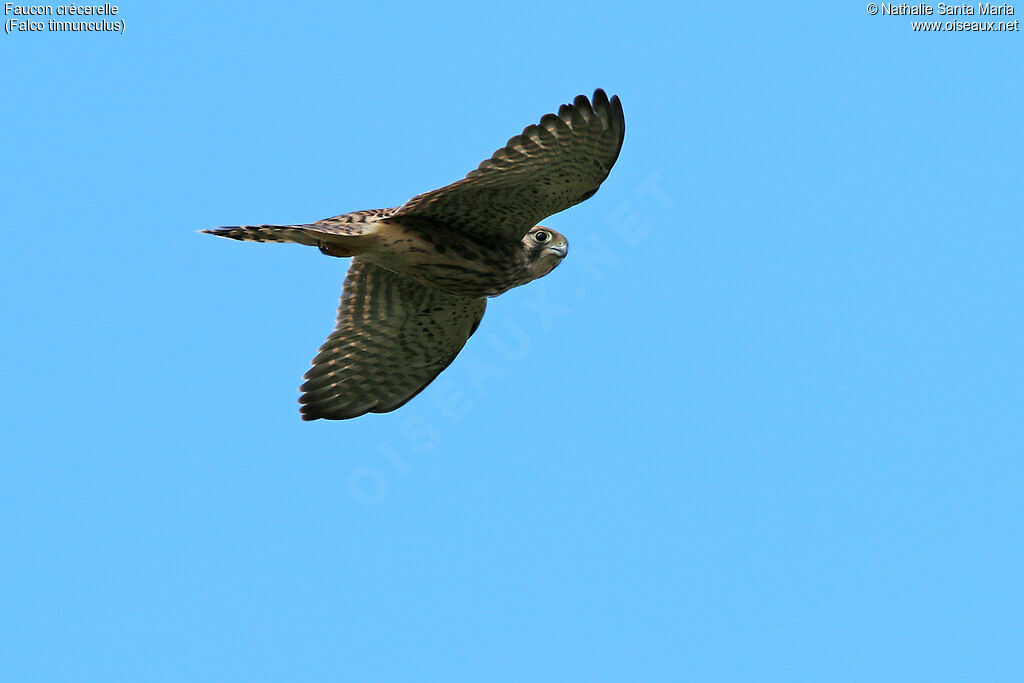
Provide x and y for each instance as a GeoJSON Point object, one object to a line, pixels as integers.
{"type": "Point", "coordinates": [544, 248]}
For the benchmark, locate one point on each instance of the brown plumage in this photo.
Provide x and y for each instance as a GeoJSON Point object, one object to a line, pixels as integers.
{"type": "Point", "coordinates": [421, 272]}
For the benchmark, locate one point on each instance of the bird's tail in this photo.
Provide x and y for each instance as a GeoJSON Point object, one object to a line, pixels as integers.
{"type": "Point", "coordinates": [346, 235]}
{"type": "Point", "coordinates": [301, 234]}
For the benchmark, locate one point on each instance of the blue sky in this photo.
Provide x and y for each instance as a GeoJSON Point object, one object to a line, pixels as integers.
{"type": "Point", "coordinates": [764, 423]}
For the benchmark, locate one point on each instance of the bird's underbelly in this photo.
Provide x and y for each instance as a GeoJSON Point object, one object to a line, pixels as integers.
{"type": "Point", "coordinates": [454, 265]}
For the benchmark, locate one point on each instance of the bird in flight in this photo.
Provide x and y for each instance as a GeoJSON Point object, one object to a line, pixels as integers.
{"type": "Point", "coordinates": [421, 273]}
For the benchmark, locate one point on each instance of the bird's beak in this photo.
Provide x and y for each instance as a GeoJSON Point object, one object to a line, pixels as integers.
{"type": "Point", "coordinates": [561, 249]}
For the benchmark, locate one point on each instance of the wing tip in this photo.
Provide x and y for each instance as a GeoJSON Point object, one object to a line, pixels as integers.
{"type": "Point", "coordinates": [310, 412]}
{"type": "Point", "coordinates": [610, 110]}
{"type": "Point", "coordinates": [607, 110]}
{"type": "Point", "coordinates": [612, 105]}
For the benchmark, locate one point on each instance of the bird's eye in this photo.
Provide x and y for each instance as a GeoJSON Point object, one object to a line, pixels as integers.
{"type": "Point", "coordinates": [542, 236]}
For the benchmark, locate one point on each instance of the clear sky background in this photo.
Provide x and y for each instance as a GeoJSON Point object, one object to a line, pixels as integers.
{"type": "Point", "coordinates": [764, 423]}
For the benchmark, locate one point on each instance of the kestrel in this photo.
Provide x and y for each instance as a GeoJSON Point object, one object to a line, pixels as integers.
{"type": "Point", "coordinates": [421, 273]}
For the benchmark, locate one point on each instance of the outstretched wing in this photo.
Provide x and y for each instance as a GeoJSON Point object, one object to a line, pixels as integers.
{"type": "Point", "coordinates": [393, 337]}
{"type": "Point", "coordinates": [546, 169]}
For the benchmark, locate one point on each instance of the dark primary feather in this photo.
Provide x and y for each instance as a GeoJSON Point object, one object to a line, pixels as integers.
{"type": "Point", "coordinates": [545, 169]}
